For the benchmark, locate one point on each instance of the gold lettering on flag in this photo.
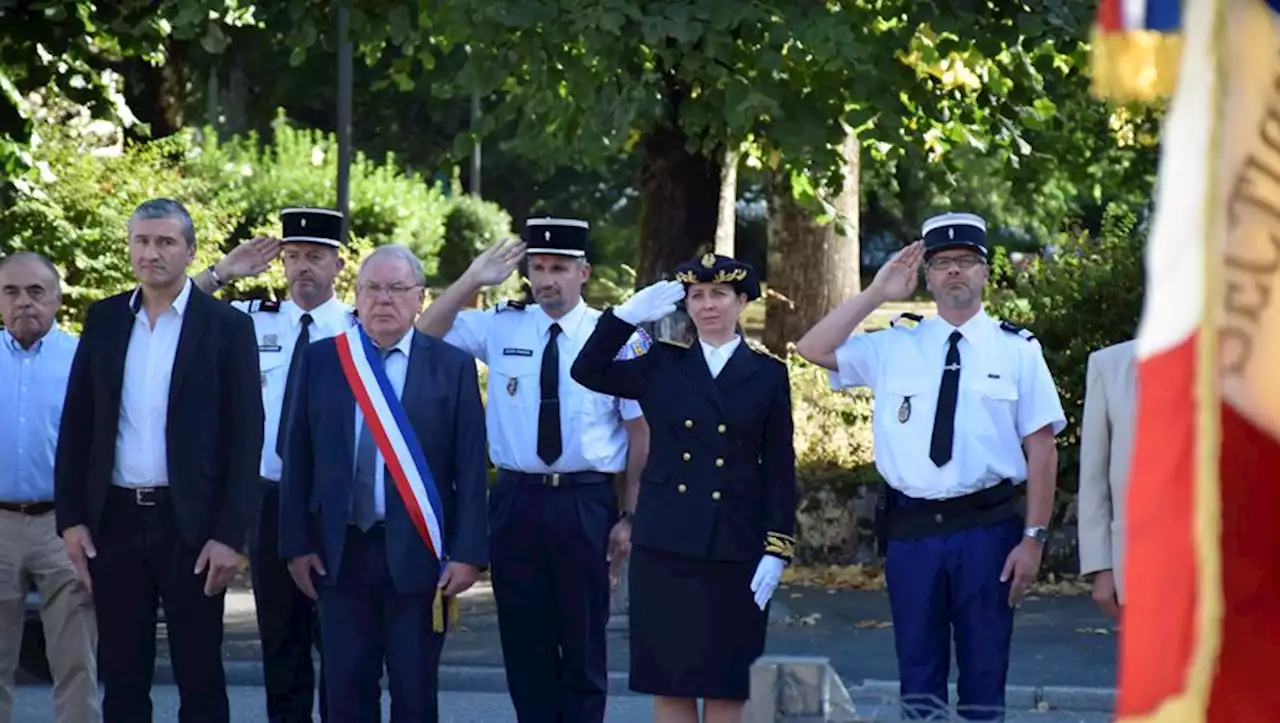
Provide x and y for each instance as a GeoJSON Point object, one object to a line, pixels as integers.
{"type": "Point", "coordinates": [1250, 333]}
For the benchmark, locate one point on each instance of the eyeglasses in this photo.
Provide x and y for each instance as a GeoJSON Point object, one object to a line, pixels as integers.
{"type": "Point", "coordinates": [946, 263]}
{"type": "Point", "coordinates": [394, 291]}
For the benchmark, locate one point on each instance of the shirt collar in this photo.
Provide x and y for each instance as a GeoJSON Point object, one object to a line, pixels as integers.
{"type": "Point", "coordinates": [13, 345]}
{"type": "Point", "coordinates": [569, 323]}
{"type": "Point", "coordinates": [724, 351]}
{"type": "Point", "coordinates": [179, 304]}
{"type": "Point", "coordinates": [404, 344]}
{"type": "Point", "coordinates": [939, 329]}
{"type": "Point", "coordinates": [324, 313]}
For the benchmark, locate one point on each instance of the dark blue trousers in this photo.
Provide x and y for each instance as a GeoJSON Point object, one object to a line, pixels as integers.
{"type": "Point", "coordinates": [366, 624]}
{"type": "Point", "coordinates": [288, 624]}
{"type": "Point", "coordinates": [944, 586]}
{"type": "Point", "coordinates": [551, 583]}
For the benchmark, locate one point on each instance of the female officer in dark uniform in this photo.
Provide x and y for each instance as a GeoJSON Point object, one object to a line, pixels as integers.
{"type": "Point", "coordinates": [714, 524]}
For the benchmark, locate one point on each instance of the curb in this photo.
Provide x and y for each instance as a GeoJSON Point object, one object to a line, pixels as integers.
{"type": "Point", "coordinates": [1017, 697]}
{"type": "Point", "coordinates": [493, 679]}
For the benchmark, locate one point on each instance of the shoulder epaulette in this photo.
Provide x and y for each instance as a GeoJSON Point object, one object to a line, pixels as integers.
{"type": "Point", "coordinates": [509, 305]}
{"type": "Point", "coordinates": [266, 305]}
{"type": "Point", "coordinates": [1015, 329]}
{"type": "Point", "coordinates": [762, 350]}
{"type": "Point", "coordinates": [906, 316]}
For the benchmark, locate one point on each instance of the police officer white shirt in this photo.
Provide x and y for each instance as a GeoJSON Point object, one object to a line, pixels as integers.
{"type": "Point", "coordinates": [510, 339]}
{"type": "Point", "coordinates": [277, 325]}
{"type": "Point", "coordinates": [1005, 394]}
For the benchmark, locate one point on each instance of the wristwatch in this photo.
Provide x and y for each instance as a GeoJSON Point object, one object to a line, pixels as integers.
{"type": "Point", "coordinates": [1037, 533]}
{"type": "Point", "coordinates": [213, 274]}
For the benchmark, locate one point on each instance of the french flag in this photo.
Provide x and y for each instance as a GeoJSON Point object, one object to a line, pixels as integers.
{"type": "Point", "coordinates": [1199, 637]}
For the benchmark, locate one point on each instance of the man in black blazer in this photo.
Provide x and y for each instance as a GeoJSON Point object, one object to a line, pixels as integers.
{"type": "Point", "coordinates": [156, 469]}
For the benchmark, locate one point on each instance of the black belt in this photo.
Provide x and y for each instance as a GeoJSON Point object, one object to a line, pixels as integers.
{"type": "Point", "coordinates": [31, 509]}
{"type": "Point", "coordinates": [142, 496]}
{"type": "Point", "coordinates": [926, 518]}
{"type": "Point", "coordinates": [557, 479]}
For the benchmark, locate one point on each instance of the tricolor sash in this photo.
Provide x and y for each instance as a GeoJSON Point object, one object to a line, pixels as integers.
{"type": "Point", "coordinates": [393, 434]}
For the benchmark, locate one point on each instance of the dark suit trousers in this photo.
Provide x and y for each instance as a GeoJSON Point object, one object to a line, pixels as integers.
{"type": "Point", "coordinates": [288, 624]}
{"type": "Point", "coordinates": [366, 623]}
{"type": "Point", "coordinates": [551, 584]}
{"type": "Point", "coordinates": [144, 562]}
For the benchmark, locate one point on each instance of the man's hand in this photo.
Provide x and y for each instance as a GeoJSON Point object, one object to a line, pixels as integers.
{"type": "Point", "coordinates": [80, 549]}
{"type": "Point", "coordinates": [650, 303]}
{"type": "Point", "coordinates": [249, 259]}
{"type": "Point", "coordinates": [497, 262]}
{"type": "Point", "coordinates": [1104, 593]}
{"type": "Point", "coordinates": [897, 279]}
{"type": "Point", "coordinates": [457, 577]}
{"type": "Point", "coordinates": [619, 548]}
{"type": "Point", "coordinates": [300, 570]}
{"type": "Point", "coordinates": [222, 563]}
{"type": "Point", "coordinates": [1022, 566]}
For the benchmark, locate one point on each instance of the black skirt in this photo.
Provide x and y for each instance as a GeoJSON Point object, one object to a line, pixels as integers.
{"type": "Point", "coordinates": [695, 627]}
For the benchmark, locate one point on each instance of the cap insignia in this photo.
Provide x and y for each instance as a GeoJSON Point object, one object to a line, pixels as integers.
{"type": "Point", "coordinates": [708, 260]}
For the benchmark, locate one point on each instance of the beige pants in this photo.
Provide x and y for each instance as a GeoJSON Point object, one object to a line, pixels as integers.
{"type": "Point", "coordinates": [30, 549]}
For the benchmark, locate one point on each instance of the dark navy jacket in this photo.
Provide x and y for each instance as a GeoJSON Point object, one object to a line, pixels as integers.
{"type": "Point", "coordinates": [442, 400]}
{"type": "Point", "coordinates": [720, 481]}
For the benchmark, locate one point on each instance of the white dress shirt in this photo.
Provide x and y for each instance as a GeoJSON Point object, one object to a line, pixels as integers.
{"type": "Point", "coordinates": [511, 342]}
{"type": "Point", "coordinates": [1005, 394]}
{"type": "Point", "coordinates": [397, 368]}
{"type": "Point", "coordinates": [718, 356]}
{"type": "Point", "coordinates": [141, 446]}
{"type": "Point", "coordinates": [277, 329]}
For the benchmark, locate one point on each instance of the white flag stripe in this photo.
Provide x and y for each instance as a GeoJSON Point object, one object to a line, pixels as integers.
{"type": "Point", "coordinates": [394, 436]}
{"type": "Point", "coordinates": [1173, 306]}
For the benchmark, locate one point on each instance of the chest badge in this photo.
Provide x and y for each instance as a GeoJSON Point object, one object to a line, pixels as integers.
{"type": "Point", "coordinates": [269, 340]}
{"type": "Point", "coordinates": [904, 411]}
{"type": "Point", "coordinates": [512, 385]}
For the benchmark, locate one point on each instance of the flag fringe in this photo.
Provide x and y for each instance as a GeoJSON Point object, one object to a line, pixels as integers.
{"type": "Point", "coordinates": [1134, 66]}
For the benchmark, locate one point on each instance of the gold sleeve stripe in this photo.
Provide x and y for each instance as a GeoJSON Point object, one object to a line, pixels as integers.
{"type": "Point", "coordinates": [776, 543]}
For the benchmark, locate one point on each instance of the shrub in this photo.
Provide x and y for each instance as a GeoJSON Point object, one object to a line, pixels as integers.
{"type": "Point", "coordinates": [1085, 296]}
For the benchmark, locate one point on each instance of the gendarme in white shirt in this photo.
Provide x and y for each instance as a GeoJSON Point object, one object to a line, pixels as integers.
{"type": "Point", "coordinates": [1006, 393]}
{"type": "Point", "coordinates": [141, 446]}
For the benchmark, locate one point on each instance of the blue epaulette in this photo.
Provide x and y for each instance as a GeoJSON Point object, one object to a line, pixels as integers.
{"type": "Point", "coordinates": [509, 305]}
{"type": "Point", "coordinates": [906, 316]}
{"type": "Point", "coordinates": [1015, 329]}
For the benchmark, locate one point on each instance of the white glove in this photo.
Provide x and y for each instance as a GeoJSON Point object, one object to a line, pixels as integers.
{"type": "Point", "coordinates": [650, 303]}
{"type": "Point", "coordinates": [768, 575]}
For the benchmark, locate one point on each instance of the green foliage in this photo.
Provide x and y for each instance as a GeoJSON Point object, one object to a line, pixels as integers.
{"type": "Point", "coordinates": [74, 202]}
{"type": "Point", "coordinates": [471, 226]}
{"type": "Point", "coordinates": [1086, 295]}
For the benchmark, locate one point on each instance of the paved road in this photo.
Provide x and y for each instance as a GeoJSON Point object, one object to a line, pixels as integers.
{"type": "Point", "coordinates": [32, 705]}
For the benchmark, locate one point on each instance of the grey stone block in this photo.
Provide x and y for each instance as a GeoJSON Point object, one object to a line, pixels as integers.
{"type": "Point", "coordinates": [796, 689]}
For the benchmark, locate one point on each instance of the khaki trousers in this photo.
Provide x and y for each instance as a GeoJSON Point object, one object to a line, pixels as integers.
{"type": "Point", "coordinates": [30, 549]}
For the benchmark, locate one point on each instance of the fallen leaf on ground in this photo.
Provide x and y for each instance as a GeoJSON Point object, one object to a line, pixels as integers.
{"type": "Point", "coordinates": [864, 624]}
{"type": "Point", "coordinates": [1095, 631]}
{"type": "Point", "coordinates": [811, 619]}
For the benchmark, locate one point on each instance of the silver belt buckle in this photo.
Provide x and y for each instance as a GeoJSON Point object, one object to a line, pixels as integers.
{"type": "Point", "coordinates": [553, 479]}
{"type": "Point", "coordinates": [143, 496]}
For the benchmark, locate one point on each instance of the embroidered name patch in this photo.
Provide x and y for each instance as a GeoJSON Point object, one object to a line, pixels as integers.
{"type": "Point", "coordinates": [517, 352]}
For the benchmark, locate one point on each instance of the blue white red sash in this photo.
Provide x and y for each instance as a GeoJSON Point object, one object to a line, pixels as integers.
{"type": "Point", "coordinates": [393, 434]}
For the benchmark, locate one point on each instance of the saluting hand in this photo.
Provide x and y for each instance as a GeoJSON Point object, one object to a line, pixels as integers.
{"type": "Point", "coordinates": [650, 303]}
{"type": "Point", "coordinates": [249, 258]}
{"type": "Point", "coordinates": [495, 264]}
{"type": "Point", "coordinates": [897, 279]}
{"type": "Point", "coordinates": [222, 563]}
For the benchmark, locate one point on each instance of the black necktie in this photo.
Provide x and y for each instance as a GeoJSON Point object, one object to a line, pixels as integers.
{"type": "Point", "coordinates": [944, 420]}
{"type": "Point", "coordinates": [304, 338]}
{"type": "Point", "coordinates": [549, 446]}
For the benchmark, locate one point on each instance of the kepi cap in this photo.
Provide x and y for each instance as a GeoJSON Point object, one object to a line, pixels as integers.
{"type": "Point", "coordinates": [955, 231]}
{"type": "Point", "coordinates": [717, 269]}
{"type": "Point", "coordinates": [311, 225]}
{"type": "Point", "coordinates": [559, 236]}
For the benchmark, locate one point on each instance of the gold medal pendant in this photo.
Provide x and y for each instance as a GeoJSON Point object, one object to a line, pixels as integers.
{"type": "Point", "coordinates": [904, 412]}
{"type": "Point", "coordinates": [512, 383]}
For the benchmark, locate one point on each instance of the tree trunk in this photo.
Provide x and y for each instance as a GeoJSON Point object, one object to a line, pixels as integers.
{"type": "Point", "coordinates": [679, 194]}
{"type": "Point", "coordinates": [813, 267]}
{"type": "Point", "coordinates": [727, 215]}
